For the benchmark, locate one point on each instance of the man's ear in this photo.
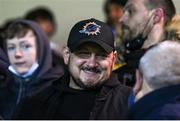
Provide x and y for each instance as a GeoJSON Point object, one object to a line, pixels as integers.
{"type": "Point", "coordinates": [139, 81]}
{"type": "Point", "coordinates": [66, 54]}
{"type": "Point", "coordinates": [115, 57]}
{"type": "Point", "coordinates": [159, 14]}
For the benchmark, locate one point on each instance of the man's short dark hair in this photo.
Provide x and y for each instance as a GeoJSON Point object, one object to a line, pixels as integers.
{"type": "Point", "coordinates": [166, 5]}
{"type": "Point", "coordinates": [109, 2]}
{"type": "Point", "coordinates": [41, 13]}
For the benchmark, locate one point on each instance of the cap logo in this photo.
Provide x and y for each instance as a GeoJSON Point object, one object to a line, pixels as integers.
{"type": "Point", "coordinates": [91, 28]}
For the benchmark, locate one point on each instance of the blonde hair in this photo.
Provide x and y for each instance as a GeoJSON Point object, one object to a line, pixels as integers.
{"type": "Point", "coordinates": [173, 28]}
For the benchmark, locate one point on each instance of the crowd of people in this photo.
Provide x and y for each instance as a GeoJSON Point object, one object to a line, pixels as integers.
{"type": "Point", "coordinates": [124, 68]}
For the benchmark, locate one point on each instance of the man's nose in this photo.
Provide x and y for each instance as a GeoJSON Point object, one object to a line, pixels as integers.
{"type": "Point", "coordinates": [92, 62]}
{"type": "Point", "coordinates": [123, 19]}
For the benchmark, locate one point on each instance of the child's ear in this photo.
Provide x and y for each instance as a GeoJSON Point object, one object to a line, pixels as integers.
{"type": "Point", "coordinates": [65, 54]}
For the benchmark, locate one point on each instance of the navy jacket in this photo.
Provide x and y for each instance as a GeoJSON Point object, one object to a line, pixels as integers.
{"type": "Point", "coordinates": [161, 104]}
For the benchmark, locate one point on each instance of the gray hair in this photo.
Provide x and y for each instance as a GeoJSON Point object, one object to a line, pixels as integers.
{"type": "Point", "coordinates": [160, 66]}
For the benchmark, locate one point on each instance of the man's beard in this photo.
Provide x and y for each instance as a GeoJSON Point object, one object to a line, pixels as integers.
{"type": "Point", "coordinates": [79, 82]}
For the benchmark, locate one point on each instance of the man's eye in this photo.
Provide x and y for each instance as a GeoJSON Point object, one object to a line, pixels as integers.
{"type": "Point", "coordinates": [129, 11]}
{"type": "Point", "coordinates": [83, 54]}
{"type": "Point", "coordinates": [101, 56]}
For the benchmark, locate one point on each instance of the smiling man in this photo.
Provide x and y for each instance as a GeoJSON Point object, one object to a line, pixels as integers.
{"type": "Point", "coordinates": [90, 66]}
{"type": "Point", "coordinates": [88, 90]}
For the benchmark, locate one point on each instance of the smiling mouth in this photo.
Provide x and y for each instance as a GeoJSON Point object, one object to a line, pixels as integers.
{"type": "Point", "coordinates": [90, 72]}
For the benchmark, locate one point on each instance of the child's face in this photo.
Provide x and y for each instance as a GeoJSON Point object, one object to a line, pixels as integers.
{"type": "Point", "coordinates": [115, 12]}
{"type": "Point", "coordinates": [22, 52]}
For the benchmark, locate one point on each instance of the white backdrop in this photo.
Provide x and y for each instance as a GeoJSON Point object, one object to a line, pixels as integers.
{"type": "Point", "coordinates": [67, 12]}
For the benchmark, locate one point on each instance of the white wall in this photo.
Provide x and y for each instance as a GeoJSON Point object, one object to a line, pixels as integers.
{"type": "Point", "coordinates": [67, 12]}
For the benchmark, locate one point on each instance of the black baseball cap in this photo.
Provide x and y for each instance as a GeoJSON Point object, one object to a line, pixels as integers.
{"type": "Point", "coordinates": [91, 30]}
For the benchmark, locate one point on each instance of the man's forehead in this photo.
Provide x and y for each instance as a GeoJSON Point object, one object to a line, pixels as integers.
{"type": "Point", "coordinates": [134, 3]}
{"type": "Point", "coordinates": [90, 46]}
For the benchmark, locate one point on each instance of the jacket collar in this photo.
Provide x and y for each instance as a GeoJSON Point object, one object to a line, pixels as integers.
{"type": "Point", "coordinates": [112, 81]}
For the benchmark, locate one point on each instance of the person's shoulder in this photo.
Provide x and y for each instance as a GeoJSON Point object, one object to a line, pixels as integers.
{"type": "Point", "coordinates": [123, 91]}
{"type": "Point", "coordinates": [43, 94]}
{"type": "Point", "coordinates": [39, 97]}
{"type": "Point", "coordinates": [162, 103]}
{"type": "Point", "coordinates": [117, 86]}
{"type": "Point", "coordinates": [124, 88]}
{"type": "Point", "coordinates": [34, 106]}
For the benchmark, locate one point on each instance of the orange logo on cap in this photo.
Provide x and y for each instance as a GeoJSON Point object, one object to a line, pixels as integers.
{"type": "Point", "coordinates": [91, 28]}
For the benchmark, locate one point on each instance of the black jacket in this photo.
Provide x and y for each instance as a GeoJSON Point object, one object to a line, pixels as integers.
{"type": "Point", "coordinates": [110, 103]}
{"type": "Point", "coordinates": [126, 73]}
{"type": "Point", "coordinates": [3, 74]}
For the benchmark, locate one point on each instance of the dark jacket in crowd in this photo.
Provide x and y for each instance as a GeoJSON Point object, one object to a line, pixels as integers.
{"type": "Point", "coordinates": [17, 87]}
{"type": "Point", "coordinates": [3, 70]}
{"type": "Point", "coordinates": [111, 102]}
{"type": "Point", "coordinates": [162, 104]}
{"type": "Point", "coordinates": [126, 73]}
{"type": "Point", "coordinates": [3, 67]}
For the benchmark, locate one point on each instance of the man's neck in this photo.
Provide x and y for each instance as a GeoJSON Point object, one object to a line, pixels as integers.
{"type": "Point", "coordinates": [145, 90]}
{"type": "Point", "coordinates": [154, 37]}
